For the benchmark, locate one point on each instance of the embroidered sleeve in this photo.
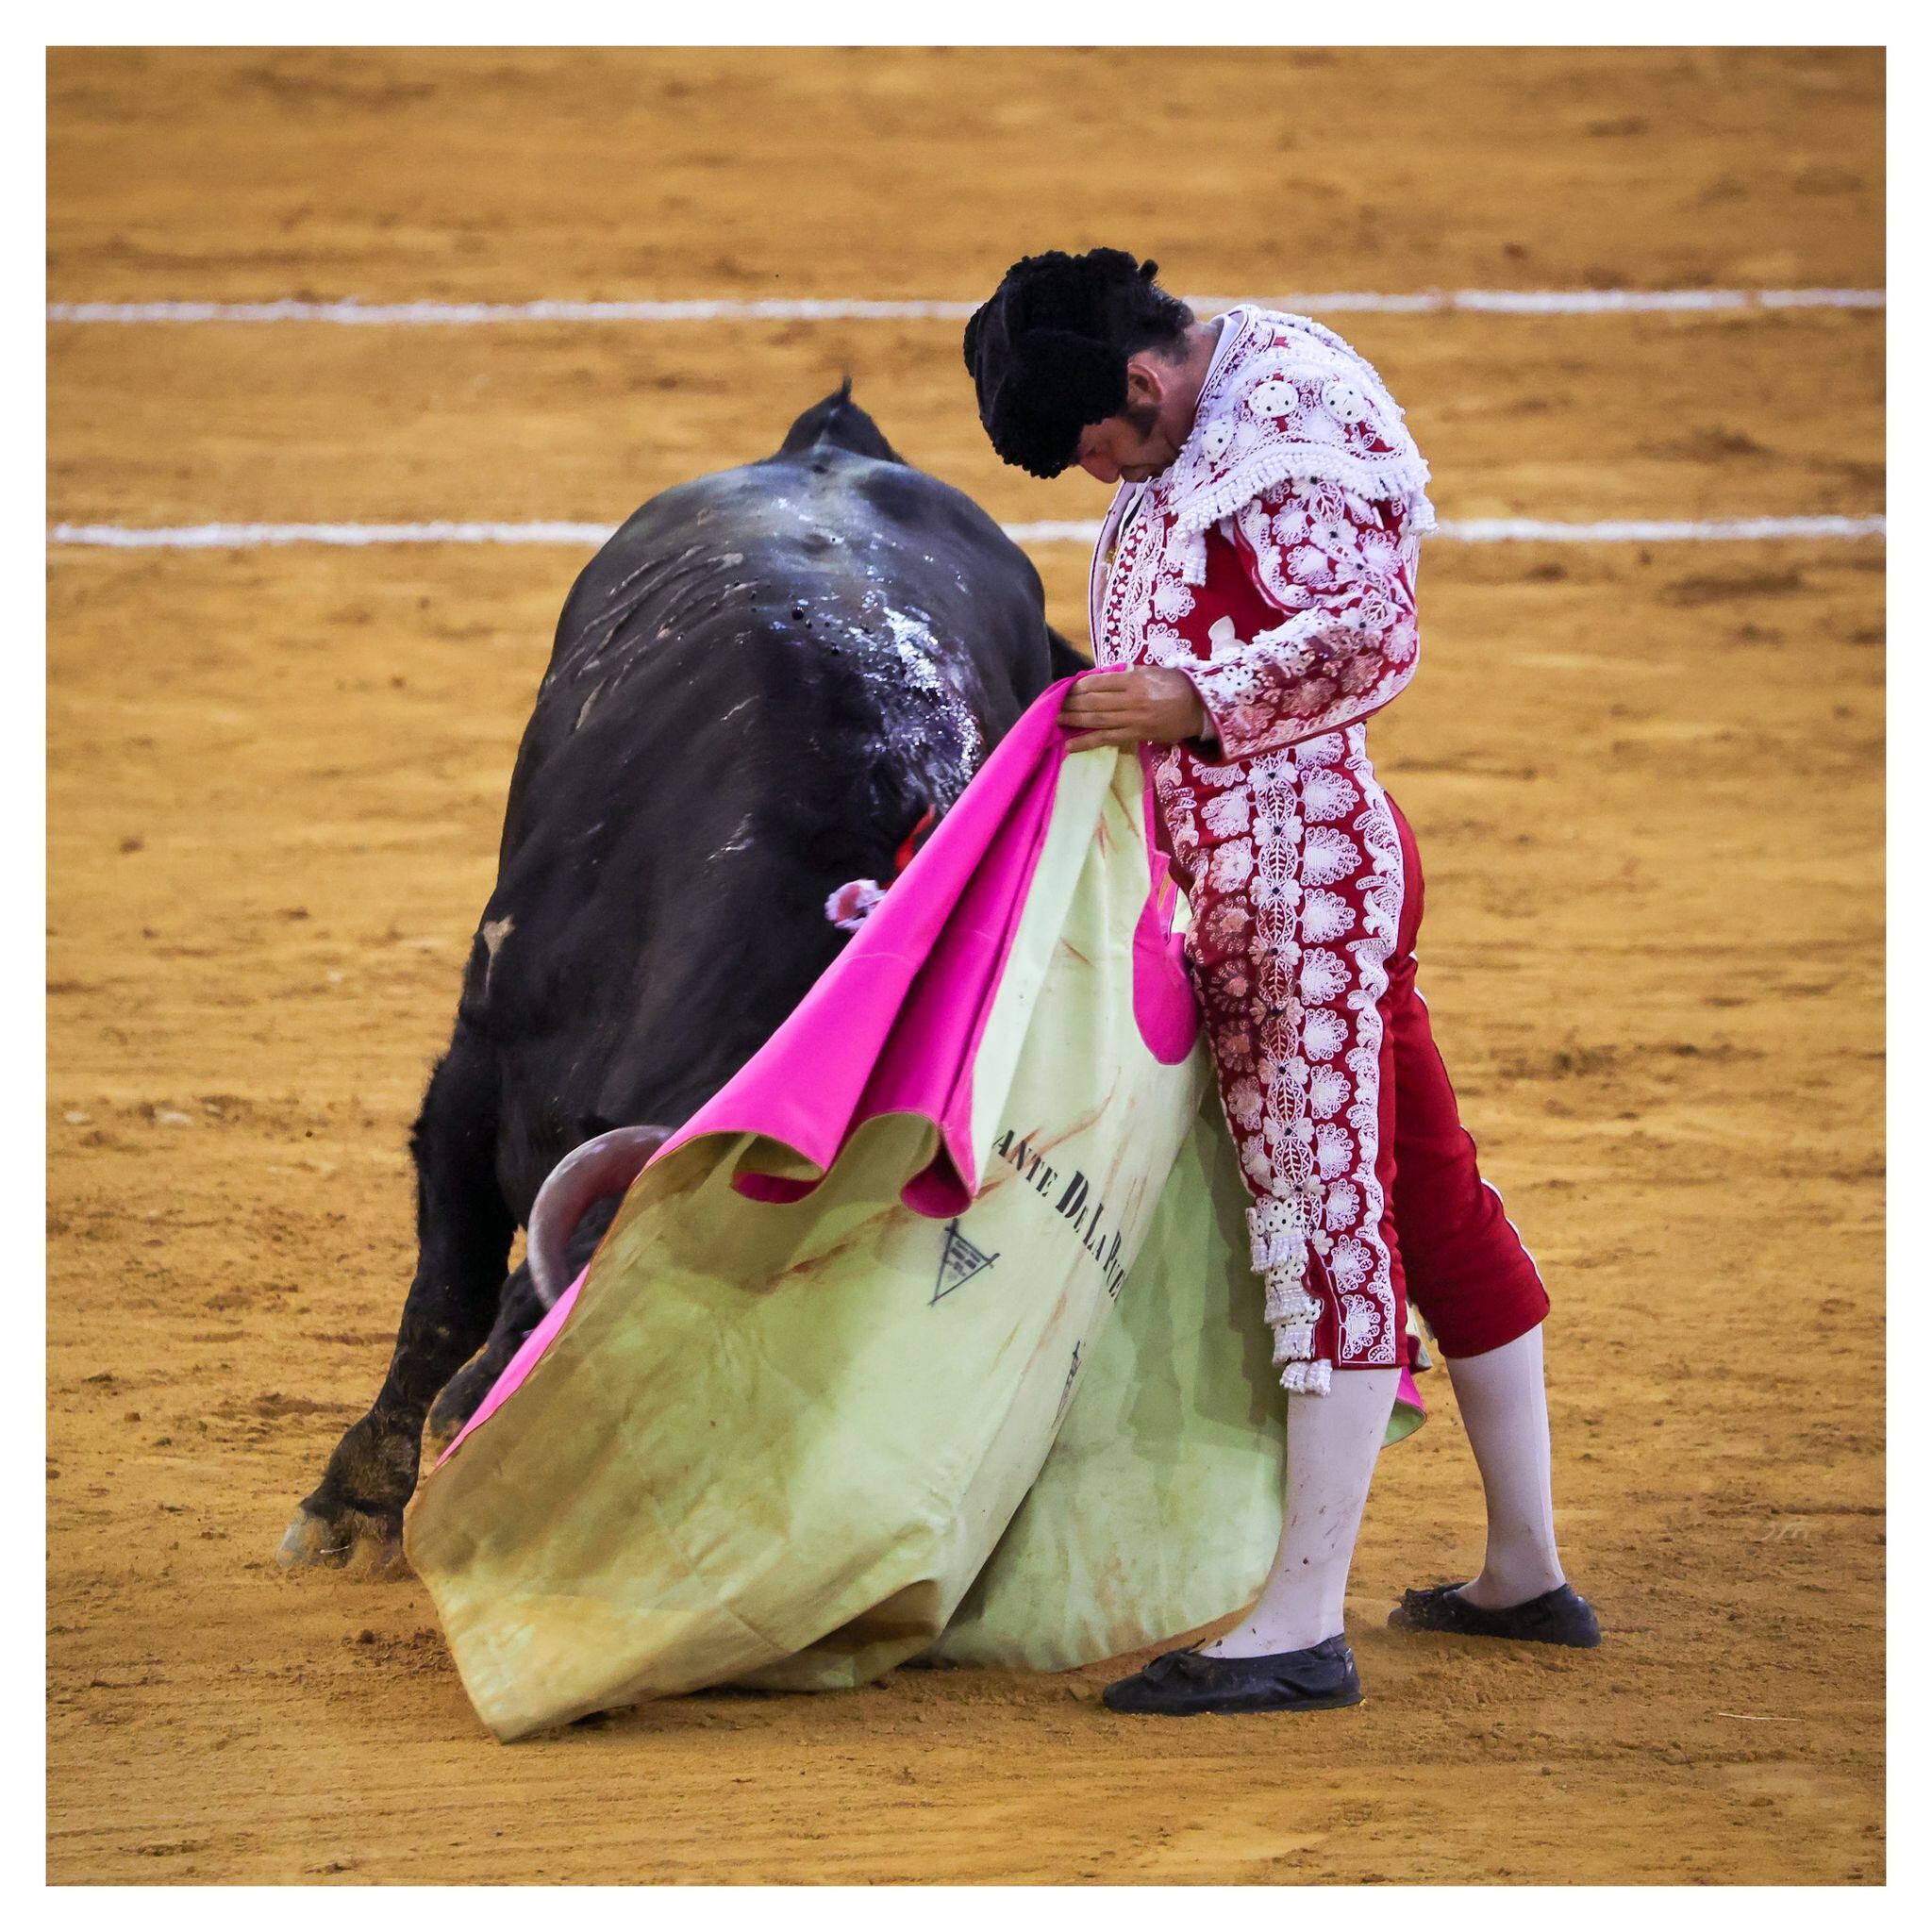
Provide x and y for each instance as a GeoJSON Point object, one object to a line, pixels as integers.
{"type": "Point", "coordinates": [1333, 565]}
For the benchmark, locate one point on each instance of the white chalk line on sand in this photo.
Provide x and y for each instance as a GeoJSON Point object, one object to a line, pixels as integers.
{"type": "Point", "coordinates": [588, 536]}
{"type": "Point", "coordinates": [804, 308]}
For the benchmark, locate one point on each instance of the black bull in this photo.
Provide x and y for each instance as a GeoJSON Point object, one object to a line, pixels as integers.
{"type": "Point", "coordinates": [761, 686]}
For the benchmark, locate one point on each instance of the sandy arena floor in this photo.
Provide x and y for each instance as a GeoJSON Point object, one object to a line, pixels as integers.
{"type": "Point", "coordinates": [1647, 785]}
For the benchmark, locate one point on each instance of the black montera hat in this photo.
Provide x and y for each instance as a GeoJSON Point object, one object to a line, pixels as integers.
{"type": "Point", "coordinates": [1048, 352]}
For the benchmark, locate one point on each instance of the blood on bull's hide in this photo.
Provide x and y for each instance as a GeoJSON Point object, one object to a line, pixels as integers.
{"type": "Point", "coordinates": [758, 687]}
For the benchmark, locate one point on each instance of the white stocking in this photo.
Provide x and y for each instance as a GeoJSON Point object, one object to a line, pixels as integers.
{"type": "Point", "coordinates": [1501, 1397]}
{"type": "Point", "coordinates": [1333, 1440]}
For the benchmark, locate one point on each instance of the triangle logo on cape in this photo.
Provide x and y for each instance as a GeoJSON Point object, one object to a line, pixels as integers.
{"type": "Point", "coordinates": [960, 1262]}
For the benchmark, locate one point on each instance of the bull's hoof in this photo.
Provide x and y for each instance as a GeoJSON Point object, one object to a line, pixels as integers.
{"type": "Point", "coordinates": [366, 1544]}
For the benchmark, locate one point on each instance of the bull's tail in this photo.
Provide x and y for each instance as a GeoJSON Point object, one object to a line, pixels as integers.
{"type": "Point", "coordinates": [591, 1173]}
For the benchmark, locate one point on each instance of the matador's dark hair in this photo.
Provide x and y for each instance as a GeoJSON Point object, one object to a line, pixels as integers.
{"type": "Point", "coordinates": [1048, 352]}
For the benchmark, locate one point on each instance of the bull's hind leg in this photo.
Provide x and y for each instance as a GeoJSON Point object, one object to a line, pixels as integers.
{"type": "Point", "coordinates": [522, 1309]}
{"type": "Point", "coordinates": [355, 1514]}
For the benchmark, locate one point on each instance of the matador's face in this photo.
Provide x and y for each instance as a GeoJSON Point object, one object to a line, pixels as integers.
{"type": "Point", "coordinates": [1146, 436]}
{"type": "Point", "coordinates": [1128, 448]}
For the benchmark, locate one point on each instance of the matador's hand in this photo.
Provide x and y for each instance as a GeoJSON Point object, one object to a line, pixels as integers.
{"type": "Point", "coordinates": [1145, 705]}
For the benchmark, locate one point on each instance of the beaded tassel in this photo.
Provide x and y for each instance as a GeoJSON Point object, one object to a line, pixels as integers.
{"type": "Point", "coordinates": [1292, 1313]}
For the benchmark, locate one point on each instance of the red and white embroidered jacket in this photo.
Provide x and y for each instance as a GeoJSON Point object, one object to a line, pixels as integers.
{"type": "Point", "coordinates": [1299, 462]}
{"type": "Point", "coordinates": [1274, 563]}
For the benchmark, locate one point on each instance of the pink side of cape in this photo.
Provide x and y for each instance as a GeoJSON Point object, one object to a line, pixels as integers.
{"type": "Point", "coordinates": [893, 1024]}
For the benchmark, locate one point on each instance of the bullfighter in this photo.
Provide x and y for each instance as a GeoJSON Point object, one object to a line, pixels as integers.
{"type": "Point", "coordinates": [1253, 593]}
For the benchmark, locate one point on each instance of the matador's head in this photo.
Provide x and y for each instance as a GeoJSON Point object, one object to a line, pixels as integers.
{"type": "Point", "coordinates": [1085, 358]}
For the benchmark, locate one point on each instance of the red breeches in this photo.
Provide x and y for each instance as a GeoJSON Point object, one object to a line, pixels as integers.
{"type": "Point", "coordinates": [1450, 1247]}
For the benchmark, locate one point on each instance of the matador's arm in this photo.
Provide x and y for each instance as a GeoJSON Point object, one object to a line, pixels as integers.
{"type": "Point", "coordinates": [1333, 565]}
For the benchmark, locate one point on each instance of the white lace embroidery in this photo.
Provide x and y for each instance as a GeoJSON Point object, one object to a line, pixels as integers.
{"type": "Point", "coordinates": [1290, 401]}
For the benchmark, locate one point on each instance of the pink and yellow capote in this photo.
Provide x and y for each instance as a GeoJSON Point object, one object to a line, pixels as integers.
{"type": "Point", "coordinates": [934, 1333]}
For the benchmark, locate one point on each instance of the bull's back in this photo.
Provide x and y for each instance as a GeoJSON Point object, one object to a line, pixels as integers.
{"type": "Point", "coordinates": [758, 686]}
{"type": "Point", "coordinates": [869, 592]}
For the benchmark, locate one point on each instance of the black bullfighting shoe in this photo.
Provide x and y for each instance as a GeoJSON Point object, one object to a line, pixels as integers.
{"type": "Point", "coordinates": [1184, 1683]}
{"type": "Point", "coordinates": [1558, 1616]}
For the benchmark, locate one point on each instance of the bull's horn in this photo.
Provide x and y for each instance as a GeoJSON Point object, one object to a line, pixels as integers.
{"type": "Point", "coordinates": [591, 1173]}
